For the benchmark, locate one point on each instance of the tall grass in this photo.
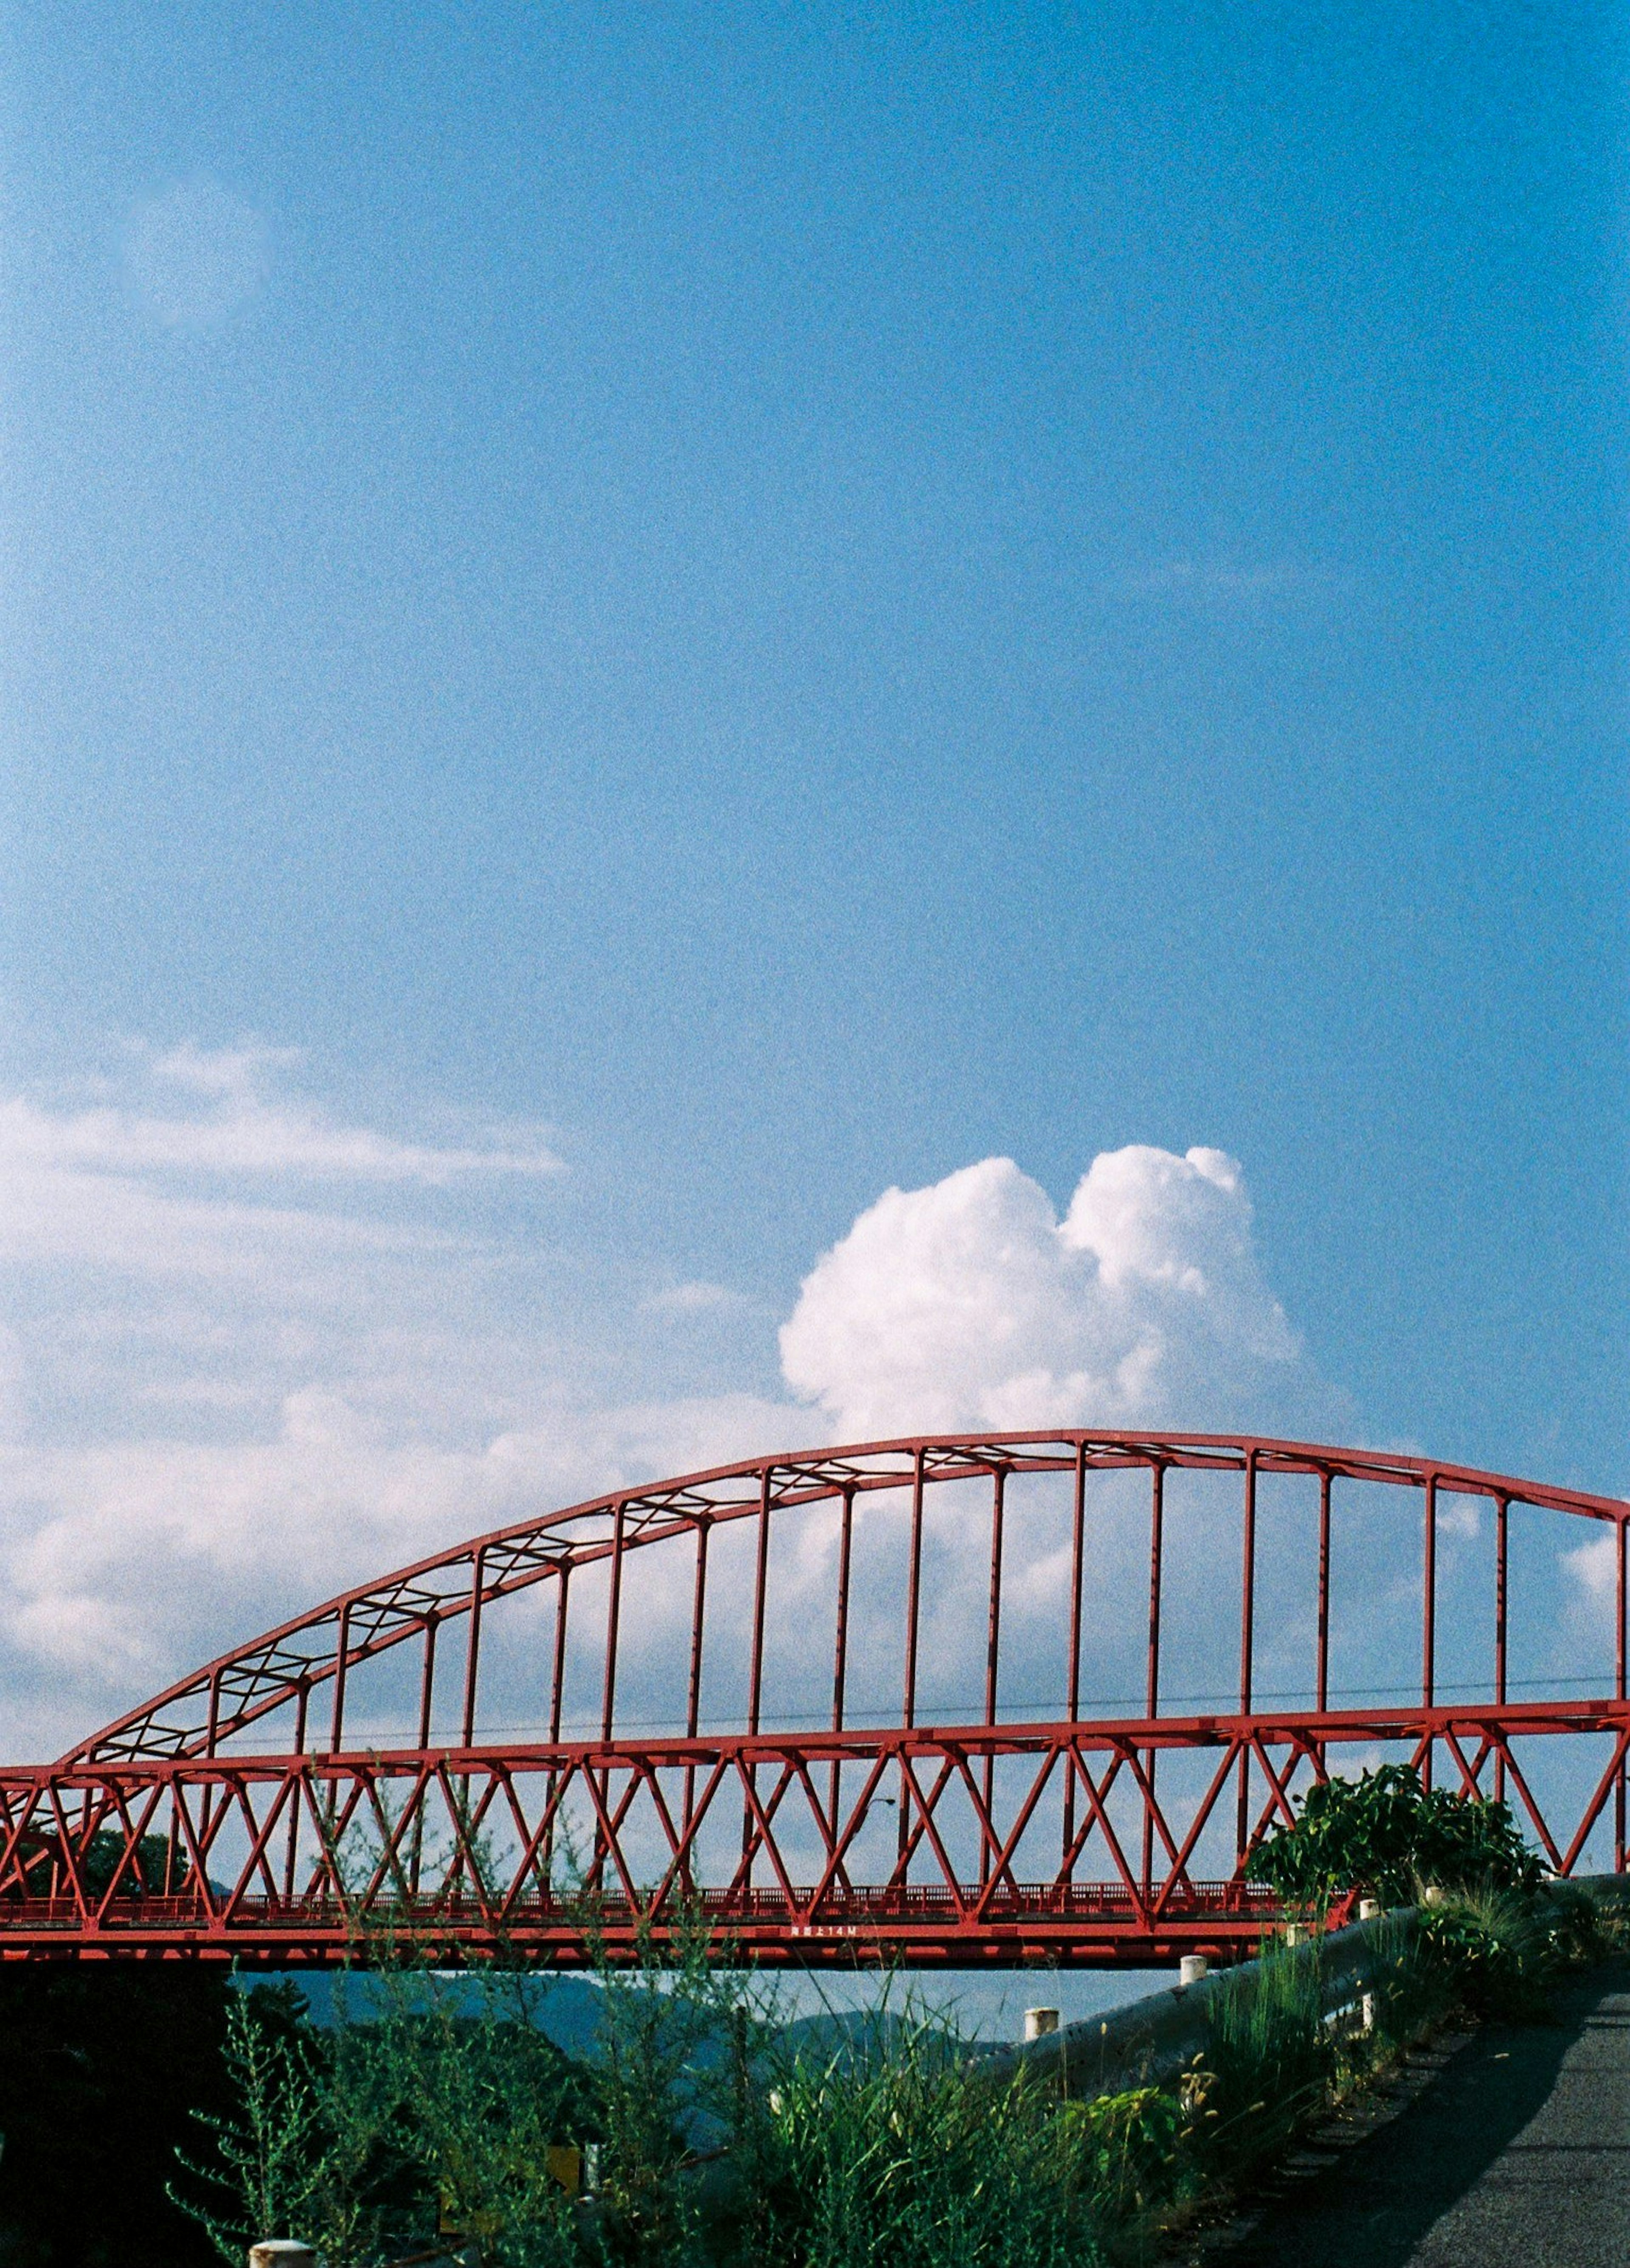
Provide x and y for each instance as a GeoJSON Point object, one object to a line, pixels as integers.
{"type": "Point", "coordinates": [428, 2116]}
{"type": "Point", "coordinates": [894, 2148]}
{"type": "Point", "coordinates": [1270, 2058]}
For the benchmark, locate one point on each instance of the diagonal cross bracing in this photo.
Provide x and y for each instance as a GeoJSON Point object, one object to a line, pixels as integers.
{"type": "Point", "coordinates": [290, 1829]}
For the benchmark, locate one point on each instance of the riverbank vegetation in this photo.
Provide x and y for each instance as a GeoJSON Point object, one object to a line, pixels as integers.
{"type": "Point", "coordinates": [698, 2125]}
{"type": "Point", "coordinates": [436, 2115]}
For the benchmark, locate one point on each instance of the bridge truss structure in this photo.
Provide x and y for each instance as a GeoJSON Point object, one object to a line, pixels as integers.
{"type": "Point", "coordinates": [1015, 1698]}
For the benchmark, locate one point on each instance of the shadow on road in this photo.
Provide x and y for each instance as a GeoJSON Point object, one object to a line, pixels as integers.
{"type": "Point", "coordinates": [1376, 2204]}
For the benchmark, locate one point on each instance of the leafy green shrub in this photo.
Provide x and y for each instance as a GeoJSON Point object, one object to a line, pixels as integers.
{"type": "Point", "coordinates": [1411, 1990]}
{"type": "Point", "coordinates": [427, 2115]}
{"type": "Point", "coordinates": [1125, 2149]}
{"type": "Point", "coordinates": [472, 2102]}
{"type": "Point", "coordinates": [1583, 1925]}
{"type": "Point", "coordinates": [675, 2072]}
{"type": "Point", "coordinates": [1502, 1953]}
{"type": "Point", "coordinates": [411, 2119]}
{"type": "Point", "coordinates": [1385, 1834]}
{"type": "Point", "coordinates": [276, 2168]}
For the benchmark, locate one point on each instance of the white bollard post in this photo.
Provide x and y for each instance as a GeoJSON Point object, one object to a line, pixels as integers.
{"type": "Point", "coordinates": [1191, 1969]}
{"type": "Point", "coordinates": [1038, 2022]}
{"type": "Point", "coordinates": [283, 2252]}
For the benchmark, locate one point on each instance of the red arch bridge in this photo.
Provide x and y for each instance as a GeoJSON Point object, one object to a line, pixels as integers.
{"type": "Point", "coordinates": [1013, 1698]}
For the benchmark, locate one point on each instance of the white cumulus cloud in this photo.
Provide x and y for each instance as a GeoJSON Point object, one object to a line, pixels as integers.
{"type": "Point", "coordinates": [970, 1304]}
{"type": "Point", "coordinates": [252, 1349]}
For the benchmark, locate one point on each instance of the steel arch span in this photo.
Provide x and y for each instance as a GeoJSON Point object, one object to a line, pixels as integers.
{"type": "Point", "coordinates": [1019, 1697]}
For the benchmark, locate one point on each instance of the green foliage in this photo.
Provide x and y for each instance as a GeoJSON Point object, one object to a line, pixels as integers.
{"type": "Point", "coordinates": [1504, 1952]}
{"type": "Point", "coordinates": [1269, 2060]}
{"type": "Point", "coordinates": [43, 1864]}
{"type": "Point", "coordinates": [671, 2074]}
{"type": "Point", "coordinates": [426, 2117]}
{"type": "Point", "coordinates": [1411, 1990]}
{"type": "Point", "coordinates": [412, 2119]}
{"type": "Point", "coordinates": [270, 2160]}
{"type": "Point", "coordinates": [1498, 1950]}
{"type": "Point", "coordinates": [900, 2153]}
{"type": "Point", "coordinates": [1384, 1833]}
{"type": "Point", "coordinates": [1126, 2147]}
{"type": "Point", "coordinates": [471, 2102]}
{"type": "Point", "coordinates": [141, 1873]}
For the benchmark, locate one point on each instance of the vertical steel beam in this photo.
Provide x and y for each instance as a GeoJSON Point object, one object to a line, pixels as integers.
{"type": "Point", "coordinates": [291, 1855]}
{"type": "Point", "coordinates": [755, 1668]}
{"type": "Point", "coordinates": [693, 1685]}
{"type": "Point", "coordinates": [913, 1592]}
{"type": "Point", "coordinates": [992, 1645]}
{"type": "Point", "coordinates": [427, 1706]}
{"type": "Point", "coordinates": [840, 1650]}
{"type": "Point", "coordinates": [993, 1621]}
{"type": "Point", "coordinates": [1078, 1540]}
{"type": "Point", "coordinates": [1322, 1682]}
{"type": "Point", "coordinates": [1502, 1521]}
{"type": "Point", "coordinates": [1248, 1646]}
{"type": "Point", "coordinates": [840, 1643]}
{"type": "Point", "coordinates": [913, 1606]}
{"type": "Point", "coordinates": [427, 1680]}
{"type": "Point", "coordinates": [557, 1702]}
{"type": "Point", "coordinates": [761, 1571]}
{"type": "Point", "coordinates": [1428, 1613]}
{"type": "Point", "coordinates": [472, 1661]}
{"type": "Point", "coordinates": [557, 1675]}
{"type": "Point", "coordinates": [1157, 1521]}
{"type": "Point", "coordinates": [608, 1689]}
{"type": "Point", "coordinates": [209, 1733]}
{"type": "Point", "coordinates": [698, 1610]}
{"type": "Point", "coordinates": [1078, 1533]}
{"type": "Point", "coordinates": [342, 1650]}
{"type": "Point", "coordinates": [614, 1622]}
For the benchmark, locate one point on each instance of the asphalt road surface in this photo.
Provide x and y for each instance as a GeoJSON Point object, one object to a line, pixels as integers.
{"type": "Point", "coordinates": [1515, 2155]}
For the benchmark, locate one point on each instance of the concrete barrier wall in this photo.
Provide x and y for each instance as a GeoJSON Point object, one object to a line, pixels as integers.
{"type": "Point", "coordinates": [1150, 2039]}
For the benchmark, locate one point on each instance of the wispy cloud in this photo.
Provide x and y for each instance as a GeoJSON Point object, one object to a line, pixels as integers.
{"type": "Point", "coordinates": [698, 1298]}
{"type": "Point", "coordinates": [1195, 580]}
{"type": "Point", "coordinates": [254, 1348]}
{"type": "Point", "coordinates": [245, 1133]}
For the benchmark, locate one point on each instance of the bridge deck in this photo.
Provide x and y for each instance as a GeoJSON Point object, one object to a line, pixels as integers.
{"type": "Point", "coordinates": [1081, 1925]}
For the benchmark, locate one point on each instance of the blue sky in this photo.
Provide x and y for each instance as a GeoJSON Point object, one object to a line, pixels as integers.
{"type": "Point", "coordinates": [774, 603]}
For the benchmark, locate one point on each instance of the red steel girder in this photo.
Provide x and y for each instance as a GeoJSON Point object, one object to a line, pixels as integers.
{"type": "Point", "coordinates": [505, 1905]}
{"type": "Point", "coordinates": [314, 1848]}
{"type": "Point", "coordinates": [284, 1667]}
